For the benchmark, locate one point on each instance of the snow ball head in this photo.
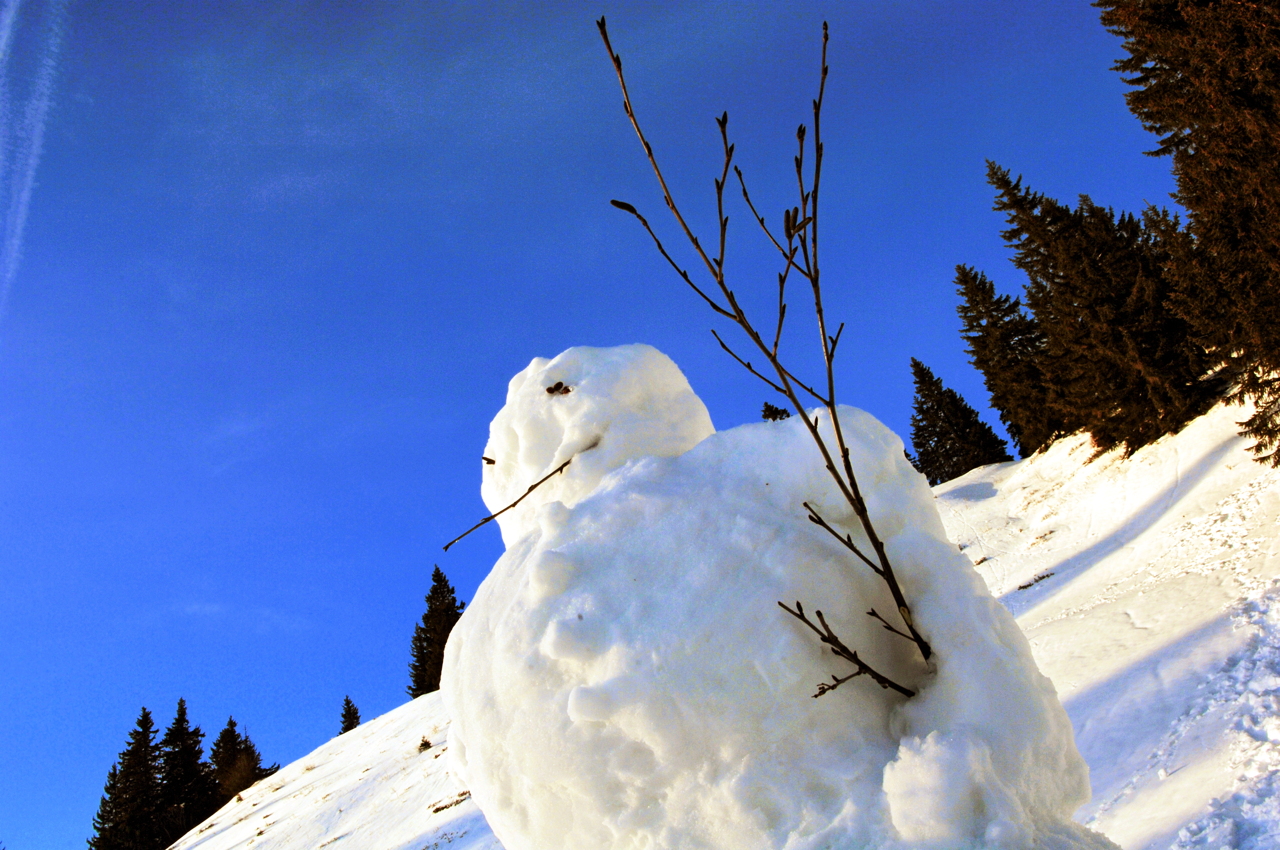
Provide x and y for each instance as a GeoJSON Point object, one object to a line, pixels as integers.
{"type": "Point", "coordinates": [595, 407]}
{"type": "Point", "coordinates": [625, 680]}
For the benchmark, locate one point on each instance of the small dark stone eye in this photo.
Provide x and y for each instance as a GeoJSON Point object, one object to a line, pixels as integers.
{"type": "Point", "coordinates": [559, 388]}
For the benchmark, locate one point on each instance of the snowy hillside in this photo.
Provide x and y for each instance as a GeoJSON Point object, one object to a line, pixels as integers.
{"type": "Point", "coordinates": [1145, 586]}
{"type": "Point", "coordinates": [374, 788]}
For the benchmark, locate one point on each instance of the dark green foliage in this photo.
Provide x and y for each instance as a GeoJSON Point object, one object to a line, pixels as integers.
{"type": "Point", "coordinates": [429, 636]}
{"type": "Point", "coordinates": [350, 716]}
{"type": "Point", "coordinates": [129, 814]}
{"type": "Point", "coordinates": [236, 763]}
{"type": "Point", "coordinates": [188, 791]}
{"type": "Point", "coordinates": [156, 793]}
{"type": "Point", "coordinates": [1116, 360]}
{"type": "Point", "coordinates": [773, 413]}
{"type": "Point", "coordinates": [946, 432]}
{"type": "Point", "coordinates": [1207, 80]}
{"type": "Point", "coordinates": [1006, 345]}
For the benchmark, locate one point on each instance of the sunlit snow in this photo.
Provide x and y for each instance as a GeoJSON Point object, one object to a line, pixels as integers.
{"type": "Point", "coordinates": [1144, 586]}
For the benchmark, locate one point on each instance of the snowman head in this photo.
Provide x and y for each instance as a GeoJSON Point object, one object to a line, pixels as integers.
{"type": "Point", "coordinates": [598, 409]}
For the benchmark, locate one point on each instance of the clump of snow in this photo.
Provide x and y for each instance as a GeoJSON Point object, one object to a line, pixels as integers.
{"type": "Point", "coordinates": [595, 407]}
{"type": "Point", "coordinates": [624, 678]}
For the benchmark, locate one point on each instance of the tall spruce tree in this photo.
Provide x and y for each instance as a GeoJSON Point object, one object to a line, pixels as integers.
{"type": "Point", "coordinates": [236, 763]}
{"type": "Point", "coordinates": [350, 716]}
{"type": "Point", "coordinates": [188, 790]}
{"type": "Point", "coordinates": [1207, 81]}
{"type": "Point", "coordinates": [946, 433]}
{"type": "Point", "coordinates": [129, 815]}
{"type": "Point", "coordinates": [1117, 362]}
{"type": "Point", "coordinates": [429, 636]}
{"type": "Point", "coordinates": [1006, 345]}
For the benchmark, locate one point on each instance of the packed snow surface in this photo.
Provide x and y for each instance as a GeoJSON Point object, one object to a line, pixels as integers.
{"type": "Point", "coordinates": [1147, 586]}
{"type": "Point", "coordinates": [624, 679]}
{"type": "Point", "coordinates": [381, 786]}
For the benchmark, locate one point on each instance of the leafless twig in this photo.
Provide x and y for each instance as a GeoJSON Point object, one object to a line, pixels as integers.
{"type": "Point", "coordinates": [837, 646]}
{"type": "Point", "coordinates": [491, 517]}
{"type": "Point", "coordinates": [800, 253]}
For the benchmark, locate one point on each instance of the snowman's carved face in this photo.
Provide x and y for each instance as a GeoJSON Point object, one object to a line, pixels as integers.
{"type": "Point", "coordinates": [595, 408]}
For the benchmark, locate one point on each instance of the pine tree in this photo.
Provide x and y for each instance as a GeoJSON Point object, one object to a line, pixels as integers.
{"type": "Point", "coordinates": [1207, 80]}
{"type": "Point", "coordinates": [350, 716]}
{"type": "Point", "coordinates": [188, 791]}
{"type": "Point", "coordinates": [1117, 361]}
{"type": "Point", "coordinates": [946, 432]}
{"type": "Point", "coordinates": [1006, 345]}
{"type": "Point", "coordinates": [429, 636]}
{"type": "Point", "coordinates": [236, 763]}
{"type": "Point", "coordinates": [128, 815]}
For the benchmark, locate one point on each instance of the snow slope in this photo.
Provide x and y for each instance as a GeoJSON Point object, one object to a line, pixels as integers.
{"type": "Point", "coordinates": [374, 787]}
{"type": "Point", "coordinates": [1158, 627]}
{"type": "Point", "coordinates": [1147, 587]}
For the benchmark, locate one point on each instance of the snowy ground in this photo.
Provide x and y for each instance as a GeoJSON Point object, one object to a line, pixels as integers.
{"type": "Point", "coordinates": [375, 788]}
{"type": "Point", "coordinates": [1146, 586]}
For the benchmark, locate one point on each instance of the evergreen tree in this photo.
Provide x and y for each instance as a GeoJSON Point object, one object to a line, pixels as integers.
{"type": "Point", "coordinates": [128, 815]}
{"type": "Point", "coordinates": [1006, 345]}
{"type": "Point", "coordinates": [188, 791]}
{"type": "Point", "coordinates": [350, 716]}
{"type": "Point", "coordinates": [429, 636]}
{"type": "Point", "coordinates": [1207, 80]}
{"type": "Point", "coordinates": [236, 763]}
{"type": "Point", "coordinates": [1117, 361]}
{"type": "Point", "coordinates": [946, 432]}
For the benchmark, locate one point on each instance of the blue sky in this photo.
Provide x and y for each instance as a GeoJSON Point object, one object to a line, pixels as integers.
{"type": "Point", "coordinates": [281, 259]}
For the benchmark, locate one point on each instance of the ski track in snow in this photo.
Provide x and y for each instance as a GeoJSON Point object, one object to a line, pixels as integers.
{"type": "Point", "coordinates": [1149, 587]}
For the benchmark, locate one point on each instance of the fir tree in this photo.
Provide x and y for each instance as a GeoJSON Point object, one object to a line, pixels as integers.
{"type": "Point", "coordinates": [350, 716]}
{"type": "Point", "coordinates": [236, 763]}
{"type": "Point", "coordinates": [1207, 80]}
{"type": "Point", "coordinates": [1006, 345]}
{"type": "Point", "coordinates": [429, 636]}
{"type": "Point", "coordinates": [1117, 361]}
{"type": "Point", "coordinates": [128, 816]}
{"type": "Point", "coordinates": [946, 432]}
{"type": "Point", "coordinates": [188, 791]}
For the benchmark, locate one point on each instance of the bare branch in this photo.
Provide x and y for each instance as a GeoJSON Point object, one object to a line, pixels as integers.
{"type": "Point", "coordinates": [846, 539]}
{"type": "Point", "coordinates": [746, 196]}
{"type": "Point", "coordinates": [885, 623]}
{"type": "Point", "coordinates": [625, 207]}
{"type": "Point", "coordinates": [491, 517]}
{"type": "Point", "coordinates": [746, 364]}
{"type": "Point", "coordinates": [800, 228]}
{"type": "Point", "coordinates": [648, 149]}
{"type": "Point", "coordinates": [835, 340]}
{"type": "Point", "coordinates": [827, 636]}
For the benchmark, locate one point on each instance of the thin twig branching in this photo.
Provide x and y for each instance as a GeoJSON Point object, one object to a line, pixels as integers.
{"type": "Point", "coordinates": [800, 253]}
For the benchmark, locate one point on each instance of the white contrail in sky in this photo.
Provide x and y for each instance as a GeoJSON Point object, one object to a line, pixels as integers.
{"type": "Point", "coordinates": [22, 145]}
{"type": "Point", "coordinates": [7, 17]}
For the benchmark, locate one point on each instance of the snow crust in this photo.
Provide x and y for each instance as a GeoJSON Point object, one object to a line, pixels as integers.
{"type": "Point", "coordinates": [625, 679]}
